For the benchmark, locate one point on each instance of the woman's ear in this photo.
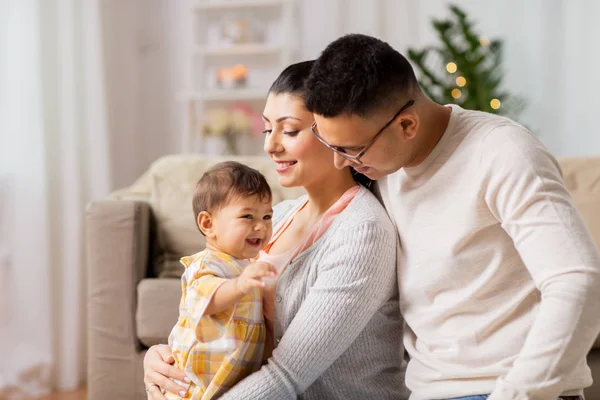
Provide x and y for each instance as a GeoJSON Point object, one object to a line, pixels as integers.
{"type": "Point", "coordinates": [410, 125]}
{"type": "Point", "coordinates": [205, 224]}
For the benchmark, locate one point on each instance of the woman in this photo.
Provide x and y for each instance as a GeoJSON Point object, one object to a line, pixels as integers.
{"type": "Point", "coordinates": [334, 311]}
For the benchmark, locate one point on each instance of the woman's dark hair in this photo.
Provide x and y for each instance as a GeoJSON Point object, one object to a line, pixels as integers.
{"type": "Point", "coordinates": [292, 81]}
{"type": "Point", "coordinates": [361, 179]}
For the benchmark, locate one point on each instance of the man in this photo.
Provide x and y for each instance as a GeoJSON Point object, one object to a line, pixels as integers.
{"type": "Point", "coordinates": [498, 276]}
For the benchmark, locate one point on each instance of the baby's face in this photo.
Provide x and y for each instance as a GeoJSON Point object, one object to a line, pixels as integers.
{"type": "Point", "coordinates": [243, 227]}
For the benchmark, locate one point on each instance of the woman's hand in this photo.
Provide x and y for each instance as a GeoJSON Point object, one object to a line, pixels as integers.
{"type": "Point", "coordinates": [158, 369]}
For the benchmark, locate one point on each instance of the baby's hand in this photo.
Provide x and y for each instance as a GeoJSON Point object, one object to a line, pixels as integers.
{"type": "Point", "coordinates": [251, 277]}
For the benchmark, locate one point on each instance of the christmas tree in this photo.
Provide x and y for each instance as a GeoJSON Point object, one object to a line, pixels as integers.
{"type": "Point", "coordinates": [465, 69]}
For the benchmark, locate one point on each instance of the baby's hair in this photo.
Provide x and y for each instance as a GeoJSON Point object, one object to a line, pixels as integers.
{"type": "Point", "coordinates": [226, 181]}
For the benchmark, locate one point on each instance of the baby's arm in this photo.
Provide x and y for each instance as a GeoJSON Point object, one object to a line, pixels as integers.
{"type": "Point", "coordinates": [233, 290]}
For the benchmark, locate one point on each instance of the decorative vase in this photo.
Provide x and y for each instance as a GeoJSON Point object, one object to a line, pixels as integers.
{"type": "Point", "coordinates": [214, 145]}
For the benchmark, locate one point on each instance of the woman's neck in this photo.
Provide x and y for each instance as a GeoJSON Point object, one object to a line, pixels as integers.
{"type": "Point", "coordinates": [324, 194]}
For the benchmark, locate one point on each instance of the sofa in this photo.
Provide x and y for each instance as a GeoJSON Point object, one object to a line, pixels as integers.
{"type": "Point", "coordinates": [133, 243]}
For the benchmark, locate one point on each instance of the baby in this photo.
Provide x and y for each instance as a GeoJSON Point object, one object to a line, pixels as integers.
{"type": "Point", "coordinates": [220, 335]}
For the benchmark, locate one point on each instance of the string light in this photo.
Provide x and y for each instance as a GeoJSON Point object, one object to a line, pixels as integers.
{"type": "Point", "coordinates": [485, 42]}
{"type": "Point", "coordinates": [461, 81]}
{"type": "Point", "coordinates": [456, 93]}
{"type": "Point", "coordinates": [495, 104]}
{"type": "Point", "coordinates": [451, 67]}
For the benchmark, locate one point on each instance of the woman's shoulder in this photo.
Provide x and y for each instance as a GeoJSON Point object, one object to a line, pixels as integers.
{"type": "Point", "coordinates": [361, 230]}
{"type": "Point", "coordinates": [365, 208]}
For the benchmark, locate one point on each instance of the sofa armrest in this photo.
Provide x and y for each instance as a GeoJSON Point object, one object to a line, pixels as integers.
{"type": "Point", "coordinates": [117, 245]}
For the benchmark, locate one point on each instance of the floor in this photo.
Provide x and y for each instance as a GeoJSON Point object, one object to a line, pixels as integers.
{"type": "Point", "coordinates": [77, 395]}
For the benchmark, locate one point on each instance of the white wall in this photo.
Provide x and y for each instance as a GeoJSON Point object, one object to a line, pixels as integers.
{"type": "Point", "coordinates": [550, 60]}
{"type": "Point", "coordinates": [144, 72]}
{"type": "Point", "coordinates": [551, 54]}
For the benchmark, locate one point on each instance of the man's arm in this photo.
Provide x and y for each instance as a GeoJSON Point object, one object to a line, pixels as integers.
{"type": "Point", "coordinates": [345, 296]}
{"type": "Point", "coordinates": [525, 191]}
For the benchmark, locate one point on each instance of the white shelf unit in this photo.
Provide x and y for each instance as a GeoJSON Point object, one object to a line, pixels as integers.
{"type": "Point", "coordinates": [238, 50]}
{"type": "Point", "coordinates": [254, 94]}
{"type": "Point", "coordinates": [235, 4]}
{"type": "Point", "coordinates": [205, 54]}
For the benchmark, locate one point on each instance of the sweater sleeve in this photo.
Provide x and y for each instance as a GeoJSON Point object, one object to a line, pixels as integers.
{"type": "Point", "coordinates": [345, 296]}
{"type": "Point", "coordinates": [525, 191]}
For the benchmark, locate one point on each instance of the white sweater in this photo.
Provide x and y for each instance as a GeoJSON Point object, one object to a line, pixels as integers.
{"type": "Point", "coordinates": [499, 278]}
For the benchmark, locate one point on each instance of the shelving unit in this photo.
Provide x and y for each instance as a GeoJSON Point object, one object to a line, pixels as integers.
{"type": "Point", "coordinates": [238, 50]}
{"type": "Point", "coordinates": [205, 54]}
{"type": "Point", "coordinates": [235, 4]}
{"type": "Point", "coordinates": [254, 94]}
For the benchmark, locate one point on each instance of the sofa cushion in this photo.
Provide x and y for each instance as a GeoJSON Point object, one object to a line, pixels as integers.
{"type": "Point", "coordinates": [157, 309]}
{"type": "Point", "coordinates": [168, 265]}
{"type": "Point", "coordinates": [171, 202]}
{"type": "Point", "coordinates": [582, 179]}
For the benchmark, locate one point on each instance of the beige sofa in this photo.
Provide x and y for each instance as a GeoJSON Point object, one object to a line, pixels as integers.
{"type": "Point", "coordinates": [134, 240]}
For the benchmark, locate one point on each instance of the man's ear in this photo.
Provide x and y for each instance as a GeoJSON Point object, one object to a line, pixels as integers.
{"type": "Point", "coordinates": [205, 224]}
{"type": "Point", "coordinates": [410, 125]}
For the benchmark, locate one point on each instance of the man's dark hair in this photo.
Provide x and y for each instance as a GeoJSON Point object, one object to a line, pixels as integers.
{"type": "Point", "coordinates": [225, 181]}
{"type": "Point", "coordinates": [292, 80]}
{"type": "Point", "coordinates": [358, 74]}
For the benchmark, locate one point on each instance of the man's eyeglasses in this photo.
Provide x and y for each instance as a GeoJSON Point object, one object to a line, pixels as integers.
{"type": "Point", "coordinates": [361, 150]}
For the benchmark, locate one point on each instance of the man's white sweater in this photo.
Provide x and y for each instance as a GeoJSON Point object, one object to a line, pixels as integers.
{"type": "Point", "coordinates": [499, 278]}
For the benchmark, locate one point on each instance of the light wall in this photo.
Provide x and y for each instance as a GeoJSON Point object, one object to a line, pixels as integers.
{"type": "Point", "coordinates": [551, 56]}
{"type": "Point", "coordinates": [549, 60]}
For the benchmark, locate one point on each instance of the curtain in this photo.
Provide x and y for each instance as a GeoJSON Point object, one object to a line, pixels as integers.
{"type": "Point", "coordinates": [53, 160]}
